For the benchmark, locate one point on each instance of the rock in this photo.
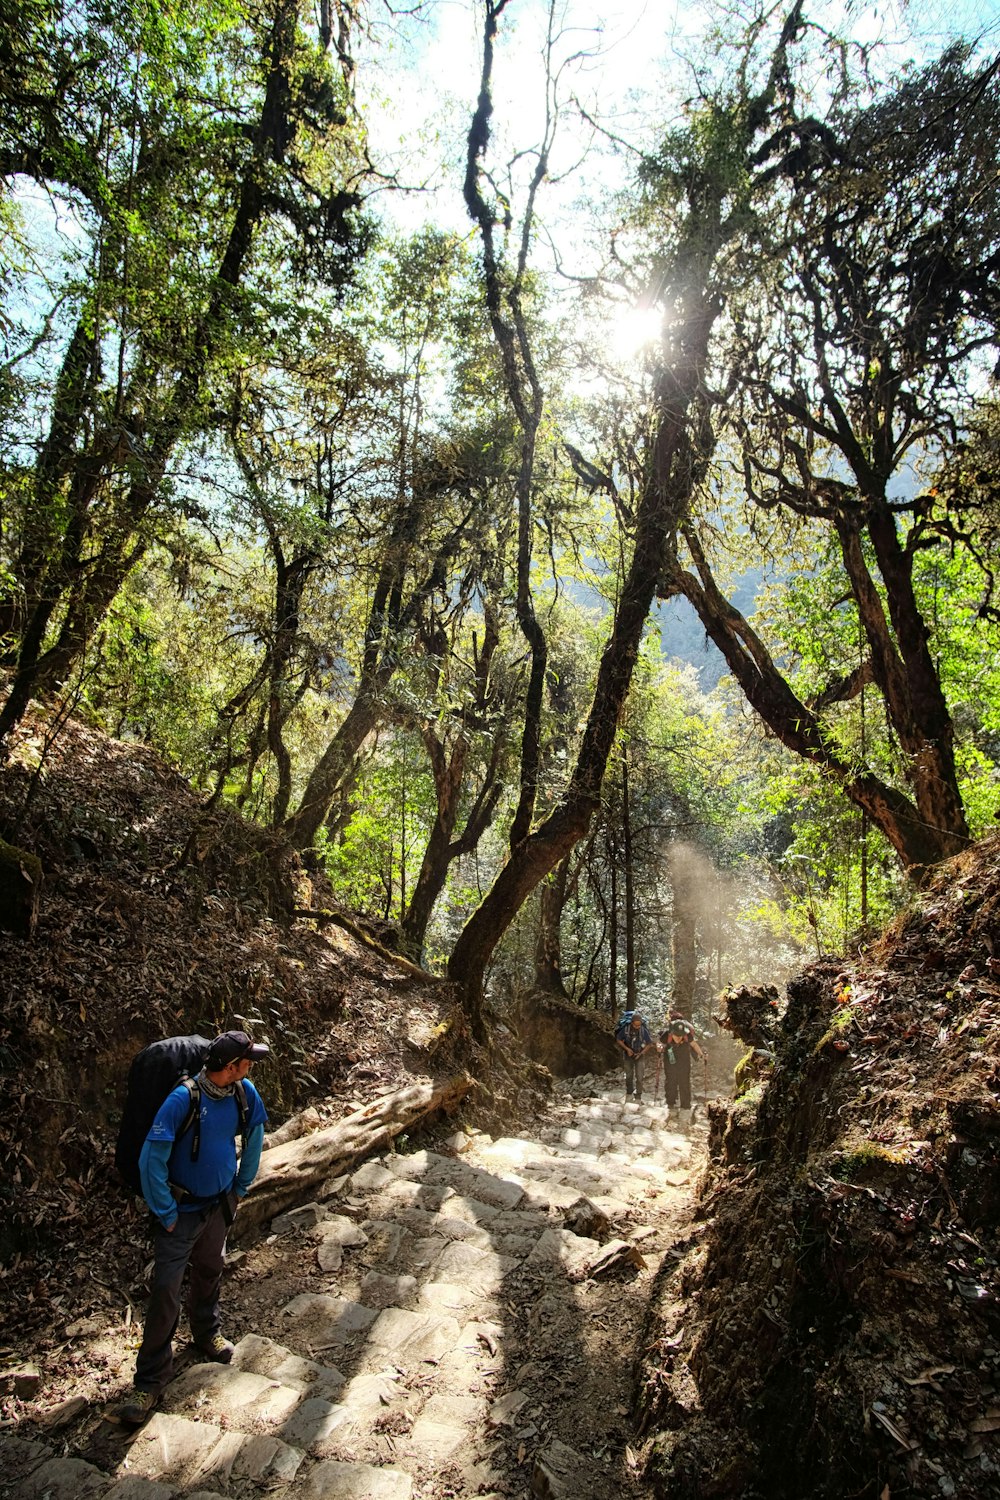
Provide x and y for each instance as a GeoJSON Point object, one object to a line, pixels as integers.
{"type": "Point", "coordinates": [21, 1455]}
{"type": "Point", "coordinates": [584, 1217]}
{"type": "Point", "coordinates": [367, 1395]}
{"type": "Point", "coordinates": [54, 1417]}
{"type": "Point", "coordinates": [313, 1423]}
{"type": "Point", "coordinates": [615, 1253]}
{"type": "Point", "coordinates": [370, 1178]}
{"type": "Point", "coordinates": [297, 1218]}
{"type": "Point", "coordinates": [387, 1291]}
{"type": "Point", "coordinates": [327, 1322]}
{"type": "Point", "coordinates": [266, 1459]}
{"type": "Point", "coordinates": [173, 1449]}
{"type": "Point", "coordinates": [560, 1247]}
{"type": "Point", "coordinates": [330, 1257]}
{"type": "Point", "coordinates": [247, 1401]}
{"type": "Point", "coordinates": [22, 1381]}
{"type": "Point", "coordinates": [61, 1479]}
{"type": "Point", "coordinates": [83, 1327]}
{"type": "Point", "coordinates": [566, 1038]}
{"type": "Point", "coordinates": [333, 1186]}
{"type": "Point", "coordinates": [560, 1473]}
{"type": "Point", "coordinates": [414, 1166]}
{"type": "Point", "coordinates": [132, 1487]}
{"type": "Point", "coordinates": [503, 1412]}
{"type": "Point", "coordinates": [263, 1356]}
{"type": "Point", "coordinates": [335, 1234]}
{"type": "Point", "coordinates": [385, 1241]}
{"type": "Point", "coordinates": [411, 1336]}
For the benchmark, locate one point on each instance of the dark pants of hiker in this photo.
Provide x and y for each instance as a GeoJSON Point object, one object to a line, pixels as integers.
{"type": "Point", "coordinates": [633, 1075]}
{"type": "Point", "coordinates": [196, 1243]}
{"type": "Point", "coordinates": [677, 1083]}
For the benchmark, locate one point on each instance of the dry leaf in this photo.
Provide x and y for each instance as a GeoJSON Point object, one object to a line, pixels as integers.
{"type": "Point", "coordinates": [926, 1377]}
{"type": "Point", "coordinates": [890, 1427]}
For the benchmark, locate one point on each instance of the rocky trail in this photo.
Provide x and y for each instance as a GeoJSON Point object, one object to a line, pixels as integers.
{"type": "Point", "coordinates": [459, 1321]}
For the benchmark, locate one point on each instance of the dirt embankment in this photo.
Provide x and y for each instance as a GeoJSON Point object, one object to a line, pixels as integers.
{"type": "Point", "coordinates": [839, 1329]}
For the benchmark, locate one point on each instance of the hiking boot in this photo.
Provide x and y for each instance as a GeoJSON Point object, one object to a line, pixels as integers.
{"type": "Point", "coordinates": [215, 1348]}
{"type": "Point", "coordinates": [685, 1118]}
{"type": "Point", "coordinates": [137, 1408]}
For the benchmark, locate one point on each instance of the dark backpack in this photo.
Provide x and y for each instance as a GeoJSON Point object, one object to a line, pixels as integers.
{"type": "Point", "coordinates": [154, 1073]}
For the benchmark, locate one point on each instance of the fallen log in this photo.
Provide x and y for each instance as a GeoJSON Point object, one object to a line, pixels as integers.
{"type": "Point", "coordinates": [289, 1172]}
{"type": "Point", "coordinates": [294, 1128]}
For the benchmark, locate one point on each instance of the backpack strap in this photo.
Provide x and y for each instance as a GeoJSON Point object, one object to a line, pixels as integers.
{"type": "Point", "coordinates": [243, 1108]}
{"type": "Point", "coordinates": [193, 1116]}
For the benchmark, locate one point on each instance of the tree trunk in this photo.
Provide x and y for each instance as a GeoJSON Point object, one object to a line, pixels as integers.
{"type": "Point", "coordinates": [548, 945]}
{"type": "Point", "coordinates": [317, 799]}
{"type": "Point", "coordinates": [510, 330]}
{"type": "Point", "coordinates": [448, 771]}
{"type": "Point", "coordinates": [906, 675]}
{"type": "Point", "coordinates": [919, 842]}
{"type": "Point", "coordinates": [629, 868]}
{"type": "Point", "coordinates": [613, 923]}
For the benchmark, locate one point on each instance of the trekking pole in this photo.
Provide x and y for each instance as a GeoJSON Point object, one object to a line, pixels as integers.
{"type": "Point", "coordinates": [656, 1082]}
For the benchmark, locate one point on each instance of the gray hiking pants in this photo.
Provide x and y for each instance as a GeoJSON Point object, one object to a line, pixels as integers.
{"type": "Point", "coordinates": [196, 1242]}
{"type": "Point", "coordinates": [633, 1075]}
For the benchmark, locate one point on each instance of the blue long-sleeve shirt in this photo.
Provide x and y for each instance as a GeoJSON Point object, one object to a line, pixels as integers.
{"type": "Point", "coordinates": [166, 1159]}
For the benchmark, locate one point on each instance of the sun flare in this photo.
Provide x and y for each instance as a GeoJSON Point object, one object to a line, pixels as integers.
{"type": "Point", "coordinates": [633, 329]}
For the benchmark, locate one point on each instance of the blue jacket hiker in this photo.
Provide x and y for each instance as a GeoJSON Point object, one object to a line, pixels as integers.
{"type": "Point", "coordinates": [632, 1036]}
{"type": "Point", "coordinates": [192, 1181]}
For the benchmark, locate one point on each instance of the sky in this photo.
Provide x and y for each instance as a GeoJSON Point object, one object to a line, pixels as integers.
{"type": "Point", "coordinates": [623, 60]}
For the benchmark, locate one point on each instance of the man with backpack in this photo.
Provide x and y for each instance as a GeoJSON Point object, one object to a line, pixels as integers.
{"type": "Point", "coordinates": [678, 1041]}
{"type": "Point", "coordinates": [632, 1036]}
{"type": "Point", "coordinates": [192, 1181]}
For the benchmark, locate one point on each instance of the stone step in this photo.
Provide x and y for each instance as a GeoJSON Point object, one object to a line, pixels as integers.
{"type": "Point", "coordinates": [263, 1356]}
{"type": "Point", "coordinates": [253, 1402]}
{"type": "Point", "coordinates": [200, 1455]}
{"type": "Point", "coordinates": [336, 1480]}
{"type": "Point", "coordinates": [58, 1479]}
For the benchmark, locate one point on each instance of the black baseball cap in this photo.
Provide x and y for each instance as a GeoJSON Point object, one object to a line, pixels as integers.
{"type": "Point", "coordinates": [233, 1046]}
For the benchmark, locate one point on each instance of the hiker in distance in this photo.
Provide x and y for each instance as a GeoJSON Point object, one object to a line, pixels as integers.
{"type": "Point", "coordinates": [677, 1041]}
{"type": "Point", "coordinates": [192, 1182]}
{"type": "Point", "coordinates": [632, 1036]}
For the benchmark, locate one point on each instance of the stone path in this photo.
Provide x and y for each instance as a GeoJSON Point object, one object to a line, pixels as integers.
{"type": "Point", "coordinates": [465, 1325]}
